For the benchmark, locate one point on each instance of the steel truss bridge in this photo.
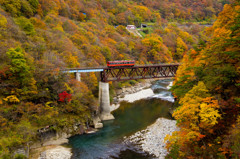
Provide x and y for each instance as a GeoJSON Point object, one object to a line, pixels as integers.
{"type": "Point", "coordinates": [131, 73]}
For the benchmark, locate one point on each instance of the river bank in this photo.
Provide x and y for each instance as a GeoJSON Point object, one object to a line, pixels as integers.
{"type": "Point", "coordinates": [51, 152]}
{"type": "Point", "coordinates": [52, 148]}
{"type": "Point", "coordinates": [151, 139]}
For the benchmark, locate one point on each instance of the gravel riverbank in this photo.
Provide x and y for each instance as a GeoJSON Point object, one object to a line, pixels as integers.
{"type": "Point", "coordinates": [151, 140]}
{"type": "Point", "coordinates": [58, 152]}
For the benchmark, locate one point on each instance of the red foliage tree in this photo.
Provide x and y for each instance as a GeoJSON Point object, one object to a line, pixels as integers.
{"type": "Point", "coordinates": [64, 96]}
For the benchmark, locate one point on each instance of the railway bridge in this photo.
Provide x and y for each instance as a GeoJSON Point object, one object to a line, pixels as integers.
{"type": "Point", "coordinates": [121, 74]}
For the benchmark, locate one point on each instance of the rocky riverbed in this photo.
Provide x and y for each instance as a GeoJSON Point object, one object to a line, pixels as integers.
{"type": "Point", "coordinates": [151, 140]}
{"type": "Point", "coordinates": [58, 152]}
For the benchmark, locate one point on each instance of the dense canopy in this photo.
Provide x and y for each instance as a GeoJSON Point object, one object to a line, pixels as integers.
{"type": "Point", "coordinates": [40, 37]}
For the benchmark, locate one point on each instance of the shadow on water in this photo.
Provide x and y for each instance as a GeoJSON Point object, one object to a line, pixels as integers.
{"type": "Point", "coordinates": [129, 118]}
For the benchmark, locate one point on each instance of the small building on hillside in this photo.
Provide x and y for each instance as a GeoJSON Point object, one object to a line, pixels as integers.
{"type": "Point", "coordinates": [131, 27]}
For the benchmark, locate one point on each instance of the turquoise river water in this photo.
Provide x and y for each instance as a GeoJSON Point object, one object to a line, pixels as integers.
{"type": "Point", "coordinates": [108, 143]}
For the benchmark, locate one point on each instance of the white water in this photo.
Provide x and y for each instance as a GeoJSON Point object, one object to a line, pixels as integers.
{"type": "Point", "coordinates": [162, 94]}
{"type": "Point", "coordinates": [148, 93]}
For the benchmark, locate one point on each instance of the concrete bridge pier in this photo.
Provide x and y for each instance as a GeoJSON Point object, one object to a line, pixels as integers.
{"type": "Point", "coordinates": [104, 101]}
{"type": "Point", "coordinates": [78, 76]}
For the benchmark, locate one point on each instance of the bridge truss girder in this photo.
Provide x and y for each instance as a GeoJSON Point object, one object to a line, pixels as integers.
{"type": "Point", "coordinates": [138, 72]}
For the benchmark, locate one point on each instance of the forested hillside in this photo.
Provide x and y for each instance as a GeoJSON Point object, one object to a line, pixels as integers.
{"type": "Point", "coordinates": [208, 91]}
{"type": "Point", "coordinates": [40, 37]}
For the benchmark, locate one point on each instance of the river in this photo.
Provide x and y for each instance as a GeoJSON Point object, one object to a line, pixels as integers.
{"type": "Point", "coordinates": [129, 118]}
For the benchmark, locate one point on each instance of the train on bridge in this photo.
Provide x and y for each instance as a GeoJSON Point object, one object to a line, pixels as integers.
{"type": "Point", "coordinates": [123, 63]}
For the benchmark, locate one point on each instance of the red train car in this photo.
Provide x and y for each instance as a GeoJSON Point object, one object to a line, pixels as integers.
{"type": "Point", "coordinates": [120, 63]}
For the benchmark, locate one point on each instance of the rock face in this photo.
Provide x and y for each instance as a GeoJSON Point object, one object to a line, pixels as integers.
{"type": "Point", "coordinates": [52, 137]}
{"type": "Point", "coordinates": [97, 122]}
{"type": "Point", "coordinates": [151, 140]}
{"type": "Point", "coordinates": [56, 153]}
{"type": "Point", "coordinates": [22, 151]}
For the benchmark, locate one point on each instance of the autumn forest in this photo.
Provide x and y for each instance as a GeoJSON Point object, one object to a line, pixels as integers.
{"type": "Point", "coordinates": [38, 38]}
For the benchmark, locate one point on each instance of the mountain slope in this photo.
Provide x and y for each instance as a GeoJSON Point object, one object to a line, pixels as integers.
{"type": "Point", "coordinates": [207, 88]}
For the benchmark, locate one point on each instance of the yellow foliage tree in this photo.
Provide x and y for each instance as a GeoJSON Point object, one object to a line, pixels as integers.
{"type": "Point", "coordinates": [196, 117]}
{"type": "Point", "coordinates": [186, 36]}
{"type": "Point", "coordinates": [208, 115]}
{"type": "Point", "coordinates": [142, 11]}
{"type": "Point", "coordinates": [181, 49]}
{"type": "Point", "coordinates": [197, 104]}
{"type": "Point", "coordinates": [71, 60]}
{"type": "Point", "coordinates": [155, 50]}
{"type": "Point", "coordinates": [3, 21]}
{"type": "Point", "coordinates": [11, 99]}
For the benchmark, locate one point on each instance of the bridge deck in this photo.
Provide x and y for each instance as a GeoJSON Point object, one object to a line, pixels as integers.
{"type": "Point", "coordinates": [102, 68]}
{"type": "Point", "coordinates": [83, 70]}
{"type": "Point", "coordinates": [130, 73]}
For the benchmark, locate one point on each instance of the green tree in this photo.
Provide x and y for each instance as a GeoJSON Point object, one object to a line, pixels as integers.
{"type": "Point", "coordinates": [20, 7]}
{"type": "Point", "coordinates": [26, 25]}
{"type": "Point", "coordinates": [21, 71]}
